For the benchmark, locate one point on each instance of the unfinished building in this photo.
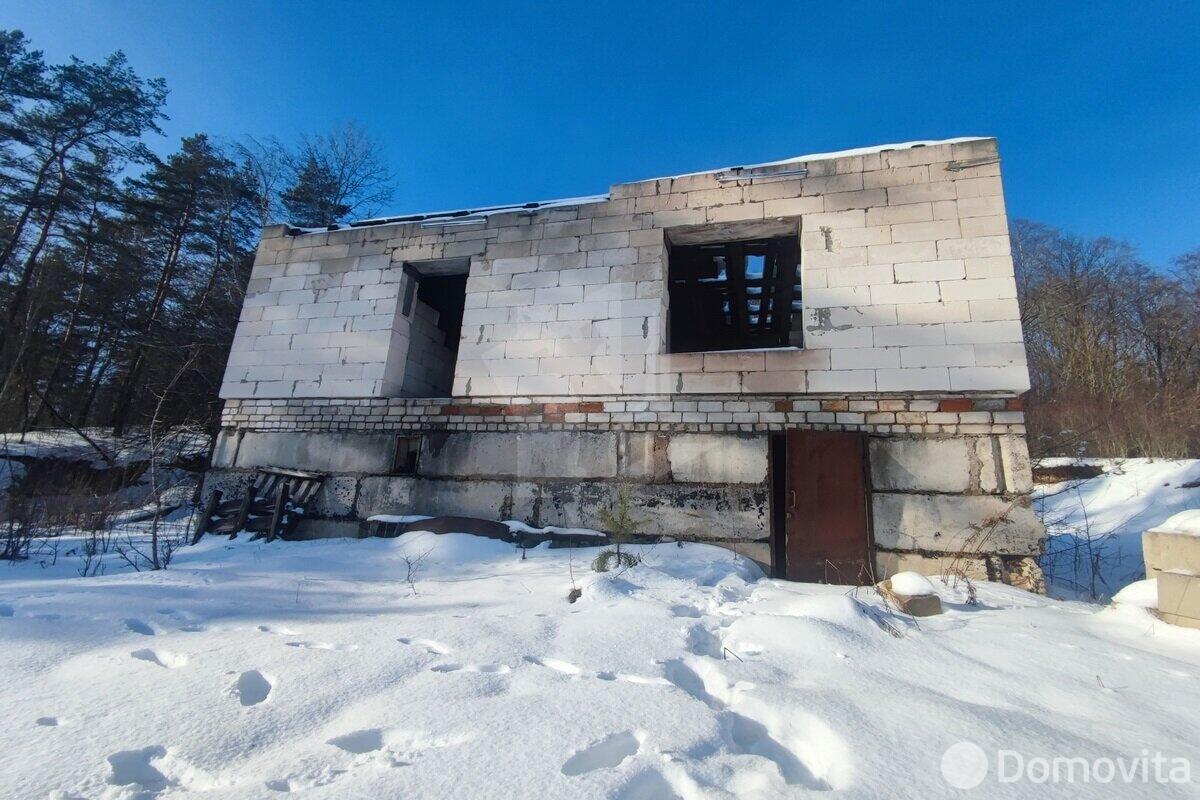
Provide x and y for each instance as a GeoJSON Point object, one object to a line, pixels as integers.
{"type": "Point", "coordinates": [819, 361]}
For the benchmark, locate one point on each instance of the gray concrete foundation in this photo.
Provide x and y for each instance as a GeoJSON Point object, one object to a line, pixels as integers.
{"type": "Point", "coordinates": [933, 499]}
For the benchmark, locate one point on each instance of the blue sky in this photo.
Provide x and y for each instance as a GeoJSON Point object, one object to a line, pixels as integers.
{"type": "Point", "coordinates": [1096, 105]}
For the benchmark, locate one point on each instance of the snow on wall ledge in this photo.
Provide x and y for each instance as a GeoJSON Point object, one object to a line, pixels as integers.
{"type": "Point", "coordinates": [906, 271]}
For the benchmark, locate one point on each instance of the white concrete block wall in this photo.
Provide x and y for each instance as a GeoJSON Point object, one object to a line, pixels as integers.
{"type": "Point", "coordinates": [905, 266]}
{"type": "Point", "coordinates": [429, 367]}
{"type": "Point", "coordinates": [319, 320]}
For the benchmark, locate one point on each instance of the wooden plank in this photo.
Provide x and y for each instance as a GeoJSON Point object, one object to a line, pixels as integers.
{"type": "Point", "coordinates": [307, 490]}
{"type": "Point", "coordinates": [293, 473]}
{"type": "Point", "coordinates": [735, 272]}
{"type": "Point", "coordinates": [244, 512]}
{"type": "Point", "coordinates": [828, 536]}
{"type": "Point", "coordinates": [265, 482]}
{"type": "Point", "coordinates": [281, 498]}
{"type": "Point", "coordinates": [210, 506]}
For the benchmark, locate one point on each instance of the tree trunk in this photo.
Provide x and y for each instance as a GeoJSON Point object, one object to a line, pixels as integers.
{"type": "Point", "coordinates": [22, 288]}
{"type": "Point", "coordinates": [133, 375]}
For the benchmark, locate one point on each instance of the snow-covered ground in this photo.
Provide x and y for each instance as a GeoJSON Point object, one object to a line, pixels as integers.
{"type": "Point", "coordinates": [1100, 521]}
{"type": "Point", "coordinates": [100, 447]}
{"type": "Point", "coordinates": [253, 670]}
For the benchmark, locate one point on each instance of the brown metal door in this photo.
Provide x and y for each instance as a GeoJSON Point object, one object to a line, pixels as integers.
{"type": "Point", "coordinates": [827, 532]}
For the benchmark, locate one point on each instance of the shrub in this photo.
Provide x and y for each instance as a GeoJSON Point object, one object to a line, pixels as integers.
{"type": "Point", "coordinates": [621, 525]}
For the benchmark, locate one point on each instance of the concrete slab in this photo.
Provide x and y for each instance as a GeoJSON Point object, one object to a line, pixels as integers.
{"type": "Point", "coordinates": [523, 455]}
{"type": "Point", "coordinates": [929, 465]}
{"type": "Point", "coordinates": [1164, 551]}
{"type": "Point", "coordinates": [1179, 597]}
{"type": "Point", "coordinates": [335, 453]}
{"type": "Point", "coordinates": [955, 524]}
{"type": "Point", "coordinates": [718, 458]}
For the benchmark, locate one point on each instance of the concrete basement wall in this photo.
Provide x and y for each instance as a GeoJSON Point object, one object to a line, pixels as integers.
{"type": "Point", "coordinates": [931, 496]}
{"type": "Point", "coordinates": [541, 478]}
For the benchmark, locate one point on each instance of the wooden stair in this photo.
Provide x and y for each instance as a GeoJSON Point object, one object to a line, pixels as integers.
{"type": "Point", "coordinates": [273, 505]}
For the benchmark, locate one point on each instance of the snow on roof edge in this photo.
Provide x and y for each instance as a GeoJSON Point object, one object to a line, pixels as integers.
{"type": "Point", "coordinates": [486, 211]}
{"type": "Point", "coordinates": [454, 216]}
{"type": "Point", "coordinates": [854, 151]}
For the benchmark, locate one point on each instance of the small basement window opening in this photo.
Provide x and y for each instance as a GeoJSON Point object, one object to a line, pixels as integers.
{"type": "Point", "coordinates": [738, 295]}
{"type": "Point", "coordinates": [404, 459]}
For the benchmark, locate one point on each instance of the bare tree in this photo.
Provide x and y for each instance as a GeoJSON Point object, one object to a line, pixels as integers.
{"type": "Point", "coordinates": [266, 160]}
{"type": "Point", "coordinates": [336, 175]}
{"type": "Point", "coordinates": [1113, 346]}
{"type": "Point", "coordinates": [413, 564]}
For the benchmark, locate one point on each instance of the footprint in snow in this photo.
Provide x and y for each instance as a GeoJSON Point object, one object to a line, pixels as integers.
{"type": "Point", "coordinates": [748, 736]}
{"type": "Point", "coordinates": [703, 642]}
{"type": "Point", "coordinates": [367, 740]}
{"type": "Point", "coordinates": [686, 611]}
{"type": "Point", "coordinates": [133, 768]}
{"type": "Point", "coordinates": [252, 687]}
{"type": "Point", "coordinates": [565, 667]}
{"type": "Point", "coordinates": [137, 626]}
{"type": "Point", "coordinates": [646, 680]}
{"type": "Point", "coordinates": [287, 785]}
{"type": "Point", "coordinates": [487, 669]}
{"type": "Point", "coordinates": [323, 646]}
{"type": "Point", "coordinates": [609, 752]}
{"type": "Point", "coordinates": [432, 647]}
{"type": "Point", "coordinates": [277, 631]}
{"type": "Point", "coordinates": [162, 658]}
{"type": "Point", "coordinates": [649, 785]}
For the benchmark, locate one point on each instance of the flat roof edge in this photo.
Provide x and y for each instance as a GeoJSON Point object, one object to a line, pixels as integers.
{"type": "Point", "coordinates": [464, 215]}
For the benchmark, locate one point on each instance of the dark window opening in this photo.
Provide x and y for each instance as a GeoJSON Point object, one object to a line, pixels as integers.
{"type": "Point", "coordinates": [435, 313]}
{"type": "Point", "coordinates": [734, 295]}
{"type": "Point", "coordinates": [447, 295]}
{"type": "Point", "coordinates": [404, 460]}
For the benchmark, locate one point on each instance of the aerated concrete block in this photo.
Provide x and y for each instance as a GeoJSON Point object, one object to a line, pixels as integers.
{"type": "Point", "coordinates": [1179, 597]}
{"type": "Point", "coordinates": [334, 453]}
{"type": "Point", "coordinates": [562, 454]}
{"type": "Point", "coordinates": [718, 458]}
{"type": "Point", "coordinates": [920, 465]}
{"type": "Point", "coordinates": [955, 524]}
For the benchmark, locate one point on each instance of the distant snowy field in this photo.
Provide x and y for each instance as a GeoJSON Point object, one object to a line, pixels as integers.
{"type": "Point", "coordinates": [254, 670]}
{"type": "Point", "coordinates": [1101, 520]}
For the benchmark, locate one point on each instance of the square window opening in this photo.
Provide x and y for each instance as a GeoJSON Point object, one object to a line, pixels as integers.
{"type": "Point", "coordinates": [404, 459]}
{"type": "Point", "coordinates": [741, 295]}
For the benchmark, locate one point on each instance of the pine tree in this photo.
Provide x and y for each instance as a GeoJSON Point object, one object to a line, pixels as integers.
{"type": "Point", "coordinates": [621, 525]}
{"type": "Point", "coordinates": [87, 109]}
{"type": "Point", "coordinates": [183, 228]}
{"type": "Point", "coordinates": [312, 201]}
